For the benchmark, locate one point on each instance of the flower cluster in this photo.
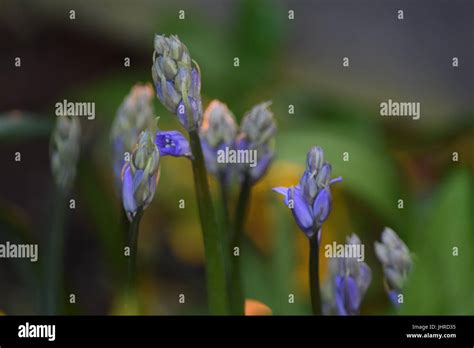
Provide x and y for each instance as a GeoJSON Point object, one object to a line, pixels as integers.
{"type": "Point", "coordinates": [396, 261]}
{"type": "Point", "coordinates": [347, 284]}
{"type": "Point", "coordinates": [310, 201]}
{"type": "Point", "coordinates": [64, 151]}
{"type": "Point", "coordinates": [177, 80]}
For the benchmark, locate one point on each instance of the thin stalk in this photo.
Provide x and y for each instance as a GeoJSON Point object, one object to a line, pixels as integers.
{"type": "Point", "coordinates": [236, 291]}
{"type": "Point", "coordinates": [213, 239]}
{"type": "Point", "coordinates": [132, 259]}
{"type": "Point", "coordinates": [54, 257]}
{"type": "Point", "coordinates": [314, 274]}
{"type": "Point", "coordinates": [225, 225]}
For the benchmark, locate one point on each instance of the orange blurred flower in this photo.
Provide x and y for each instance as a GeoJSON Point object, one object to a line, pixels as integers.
{"type": "Point", "coordinates": [254, 307]}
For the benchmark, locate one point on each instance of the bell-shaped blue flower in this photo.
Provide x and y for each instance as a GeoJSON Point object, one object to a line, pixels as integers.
{"type": "Point", "coordinates": [310, 201]}
{"type": "Point", "coordinates": [173, 143]}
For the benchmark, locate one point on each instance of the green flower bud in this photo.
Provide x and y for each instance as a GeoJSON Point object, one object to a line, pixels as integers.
{"type": "Point", "coordinates": [64, 151]}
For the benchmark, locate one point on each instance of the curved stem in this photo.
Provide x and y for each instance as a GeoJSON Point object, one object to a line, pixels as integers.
{"type": "Point", "coordinates": [236, 291]}
{"type": "Point", "coordinates": [213, 239]}
{"type": "Point", "coordinates": [314, 274]}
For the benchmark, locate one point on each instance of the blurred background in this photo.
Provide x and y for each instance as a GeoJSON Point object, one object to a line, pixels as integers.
{"type": "Point", "coordinates": [291, 62]}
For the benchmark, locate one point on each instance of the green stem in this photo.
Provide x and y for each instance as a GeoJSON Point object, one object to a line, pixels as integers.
{"type": "Point", "coordinates": [54, 257]}
{"type": "Point", "coordinates": [132, 259]}
{"type": "Point", "coordinates": [314, 274]}
{"type": "Point", "coordinates": [236, 291]}
{"type": "Point", "coordinates": [225, 226]}
{"type": "Point", "coordinates": [213, 240]}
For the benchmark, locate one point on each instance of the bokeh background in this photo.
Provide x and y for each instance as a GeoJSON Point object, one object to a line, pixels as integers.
{"type": "Point", "coordinates": [291, 62]}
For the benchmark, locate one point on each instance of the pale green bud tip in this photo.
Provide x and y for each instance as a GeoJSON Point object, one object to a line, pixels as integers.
{"type": "Point", "coordinates": [395, 258]}
{"type": "Point", "coordinates": [315, 159]}
{"type": "Point", "coordinates": [259, 124]}
{"type": "Point", "coordinates": [218, 125]}
{"type": "Point", "coordinates": [146, 155]}
{"type": "Point", "coordinates": [64, 151]}
{"type": "Point", "coordinates": [141, 175]}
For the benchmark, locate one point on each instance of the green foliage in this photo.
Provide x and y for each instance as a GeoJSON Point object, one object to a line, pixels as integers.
{"type": "Point", "coordinates": [442, 283]}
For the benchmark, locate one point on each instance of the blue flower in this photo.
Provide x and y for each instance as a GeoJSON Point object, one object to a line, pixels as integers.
{"type": "Point", "coordinates": [310, 201]}
{"type": "Point", "coordinates": [347, 284]}
{"type": "Point", "coordinates": [140, 175]}
{"type": "Point", "coordinates": [172, 143]}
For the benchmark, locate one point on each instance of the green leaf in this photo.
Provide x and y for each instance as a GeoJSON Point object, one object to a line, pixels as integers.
{"type": "Point", "coordinates": [442, 283]}
{"type": "Point", "coordinates": [18, 125]}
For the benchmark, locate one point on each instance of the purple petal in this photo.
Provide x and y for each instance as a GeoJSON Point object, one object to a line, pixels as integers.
{"type": "Point", "coordinates": [393, 297]}
{"type": "Point", "coordinates": [352, 295]}
{"type": "Point", "coordinates": [322, 206]}
{"type": "Point", "coordinates": [128, 198]}
{"type": "Point", "coordinates": [172, 143]}
{"type": "Point", "coordinates": [195, 90]}
{"type": "Point", "coordinates": [181, 112]}
{"type": "Point", "coordinates": [285, 191]}
{"type": "Point", "coordinates": [333, 181]}
{"type": "Point", "coordinates": [340, 298]}
{"type": "Point", "coordinates": [262, 165]}
{"type": "Point", "coordinates": [301, 210]}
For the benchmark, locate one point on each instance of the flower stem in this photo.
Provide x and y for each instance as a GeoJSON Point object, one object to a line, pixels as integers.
{"type": "Point", "coordinates": [236, 291]}
{"type": "Point", "coordinates": [314, 274]}
{"type": "Point", "coordinates": [54, 259]}
{"type": "Point", "coordinates": [132, 259]}
{"type": "Point", "coordinates": [213, 239]}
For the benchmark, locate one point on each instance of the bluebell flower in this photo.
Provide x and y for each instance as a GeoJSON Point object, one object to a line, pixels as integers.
{"type": "Point", "coordinates": [257, 133]}
{"type": "Point", "coordinates": [64, 151]}
{"type": "Point", "coordinates": [396, 261]}
{"type": "Point", "coordinates": [140, 175]}
{"type": "Point", "coordinates": [177, 80]}
{"type": "Point", "coordinates": [217, 132]}
{"type": "Point", "coordinates": [134, 115]}
{"type": "Point", "coordinates": [173, 143]}
{"type": "Point", "coordinates": [310, 201]}
{"type": "Point", "coordinates": [347, 283]}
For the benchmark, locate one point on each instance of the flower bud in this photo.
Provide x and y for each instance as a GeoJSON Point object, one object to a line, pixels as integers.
{"type": "Point", "coordinates": [217, 132]}
{"type": "Point", "coordinates": [314, 159]}
{"type": "Point", "coordinates": [257, 132]}
{"type": "Point", "coordinates": [177, 80]}
{"type": "Point", "coordinates": [140, 175]}
{"type": "Point", "coordinates": [64, 151]}
{"type": "Point", "coordinates": [396, 261]}
{"type": "Point", "coordinates": [134, 115]}
{"type": "Point", "coordinates": [347, 284]}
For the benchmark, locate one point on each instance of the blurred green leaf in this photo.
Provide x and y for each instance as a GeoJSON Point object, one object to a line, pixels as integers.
{"type": "Point", "coordinates": [18, 126]}
{"type": "Point", "coordinates": [441, 283]}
